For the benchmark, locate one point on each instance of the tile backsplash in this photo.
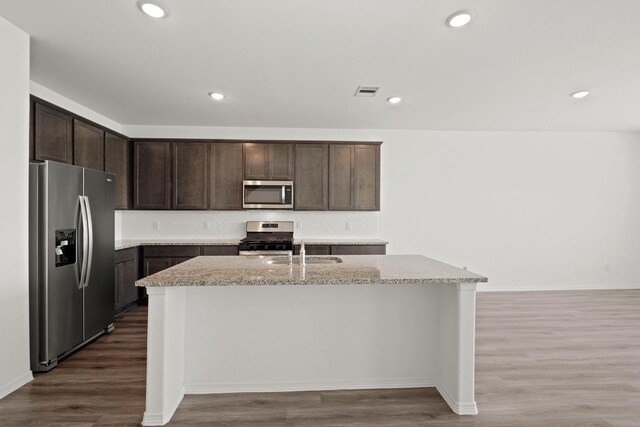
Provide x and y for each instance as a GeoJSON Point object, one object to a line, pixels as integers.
{"type": "Point", "coordinates": [231, 224]}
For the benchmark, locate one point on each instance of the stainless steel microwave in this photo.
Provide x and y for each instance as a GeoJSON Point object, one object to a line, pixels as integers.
{"type": "Point", "coordinates": [267, 194]}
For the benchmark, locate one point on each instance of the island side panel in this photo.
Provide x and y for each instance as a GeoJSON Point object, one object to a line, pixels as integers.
{"type": "Point", "coordinates": [165, 354]}
{"type": "Point", "coordinates": [291, 338]}
{"type": "Point", "coordinates": [456, 347]}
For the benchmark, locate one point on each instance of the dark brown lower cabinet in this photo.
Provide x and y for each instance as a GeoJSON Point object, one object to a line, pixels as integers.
{"type": "Point", "coordinates": [342, 249]}
{"type": "Point", "coordinates": [126, 274]}
{"type": "Point", "coordinates": [158, 258]}
{"type": "Point", "coordinates": [155, 265]}
{"type": "Point", "coordinates": [358, 249]}
{"type": "Point", "coordinates": [313, 250]}
{"type": "Point", "coordinates": [220, 250]}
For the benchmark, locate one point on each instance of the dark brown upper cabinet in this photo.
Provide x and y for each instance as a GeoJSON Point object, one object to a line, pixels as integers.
{"type": "Point", "coordinates": [281, 164]}
{"type": "Point", "coordinates": [88, 145]}
{"type": "Point", "coordinates": [52, 135]}
{"type": "Point", "coordinates": [341, 177]}
{"type": "Point", "coordinates": [152, 175]}
{"type": "Point", "coordinates": [190, 175]}
{"type": "Point", "coordinates": [367, 177]}
{"type": "Point", "coordinates": [256, 161]}
{"type": "Point", "coordinates": [225, 171]}
{"type": "Point", "coordinates": [311, 184]}
{"type": "Point", "coordinates": [116, 161]}
{"type": "Point", "coordinates": [354, 177]}
{"type": "Point", "coordinates": [268, 161]}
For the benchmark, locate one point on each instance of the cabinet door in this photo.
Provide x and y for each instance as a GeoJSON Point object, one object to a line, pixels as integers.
{"type": "Point", "coordinates": [311, 185]}
{"type": "Point", "coordinates": [116, 161]}
{"type": "Point", "coordinates": [126, 276]}
{"type": "Point", "coordinates": [367, 177]}
{"type": "Point", "coordinates": [171, 251]}
{"type": "Point", "coordinates": [220, 250]}
{"type": "Point", "coordinates": [281, 162]}
{"type": "Point", "coordinates": [313, 250]}
{"type": "Point", "coordinates": [154, 265]}
{"type": "Point", "coordinates": [225, 163]}
{"type": "Point", "coordinates": [190, 175]}
{"type": "Point", "coordinates": [358, 250]}
{"type": "Point", "coordinates": [88, 146]}
{"type": "Point", "coordinates": [341, 177]}
{"type": "Point", "coordinates": [53, 137]}
{"type": "Point", "coordinates": [178, 260]}
{"type": "Point", "coordinates": [152, 175]}
{"type": "Point", "coordinates": [256, 161]}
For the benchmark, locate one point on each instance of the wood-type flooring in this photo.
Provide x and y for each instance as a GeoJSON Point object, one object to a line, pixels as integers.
{"type": "Point", "coordinates": [569, 358]}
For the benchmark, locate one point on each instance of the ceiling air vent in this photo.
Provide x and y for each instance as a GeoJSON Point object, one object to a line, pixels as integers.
{"type": "Point", "coordinates": [367, 91]}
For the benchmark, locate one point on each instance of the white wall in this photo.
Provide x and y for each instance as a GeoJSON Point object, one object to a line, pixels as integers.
{"type": "Point", "coordinates": [14, 174]}
{"type": "Point", "coordinates": [530, 210]}
{"type": "Point", "coordinates": [70, 105]}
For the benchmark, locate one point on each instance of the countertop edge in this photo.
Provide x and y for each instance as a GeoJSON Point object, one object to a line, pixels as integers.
{"type": "Point", "coordinates": [134, 243]}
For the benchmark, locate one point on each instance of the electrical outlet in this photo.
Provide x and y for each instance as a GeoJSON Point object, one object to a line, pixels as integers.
{"type": "Point", "coordinates": [347, 225]}
{"type": "Point", "coordinates": [298, 225]}
{"type": "Point", "coordinates": [207, 225]}
{"type": "Point", "coordinates": [156, 225]}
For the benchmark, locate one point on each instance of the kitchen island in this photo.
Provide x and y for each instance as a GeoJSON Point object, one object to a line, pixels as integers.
{"type": "Point", "coordinates": [248, 324]}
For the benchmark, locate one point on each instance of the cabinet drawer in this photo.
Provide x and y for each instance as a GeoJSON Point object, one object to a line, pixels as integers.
{"type": "Point", "coordinates": [220, 250]}
{"type": "Point", "coordinates": [123, 255]}
{"type": "Point", "coordinates": [358, 250]}
{"type": "Point", "coordinates": [171, 251]}
{"type": "Point", "coordinates": [313, 250]}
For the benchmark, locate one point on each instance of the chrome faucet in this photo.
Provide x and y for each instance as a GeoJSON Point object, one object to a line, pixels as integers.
{"type": "Point", "coordinates": [303, 254]}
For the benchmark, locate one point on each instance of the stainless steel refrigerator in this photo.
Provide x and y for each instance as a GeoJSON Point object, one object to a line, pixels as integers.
{"type": "Point", "coordinates": [71, 265]}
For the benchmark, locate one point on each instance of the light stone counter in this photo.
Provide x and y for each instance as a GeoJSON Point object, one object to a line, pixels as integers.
{"type": "Point", "coordinates": [214, 329]}
{"type": "Point", "coordinates": [354, 269]}
{"type": "Point", "coordinates": [132, 243]}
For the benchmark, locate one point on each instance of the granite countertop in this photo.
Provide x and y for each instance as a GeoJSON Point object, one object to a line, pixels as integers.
{"type": "Point", "coordinates": [355, 269]}
{"type": "Point", "coordinates": [132, 243]}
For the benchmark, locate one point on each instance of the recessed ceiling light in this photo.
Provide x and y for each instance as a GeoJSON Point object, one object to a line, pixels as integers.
{"type": "Point", "coordinates": [216, 96]}
{"type": "Point", "coordinates": [394, 99]}
{"type": "Point", "coordinates": [154, 10]}
{"type": "Point", "coordinates": [580, 94]}
{"type": "Point", "coordinates": [460, 18]}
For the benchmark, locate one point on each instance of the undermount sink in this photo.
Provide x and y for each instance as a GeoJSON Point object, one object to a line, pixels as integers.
{"type": "Point", "coordinates": [309, 260]}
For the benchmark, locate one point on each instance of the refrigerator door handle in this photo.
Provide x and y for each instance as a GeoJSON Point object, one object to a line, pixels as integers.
{"type": "Point", "coordinates": [90, 252]}
{"type": "Point", "coordinates": [85, 241]}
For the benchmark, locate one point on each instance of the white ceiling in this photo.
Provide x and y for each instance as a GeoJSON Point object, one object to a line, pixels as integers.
{"type": "Point", "coordinates": [297, 63]}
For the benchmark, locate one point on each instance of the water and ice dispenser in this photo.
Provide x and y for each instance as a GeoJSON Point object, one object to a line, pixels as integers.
{"type": "Point", "coordinates": [65, 248]}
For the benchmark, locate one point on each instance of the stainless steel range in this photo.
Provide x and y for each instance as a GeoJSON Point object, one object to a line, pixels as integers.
{"type": "Point", "coordinates": [268, 238]}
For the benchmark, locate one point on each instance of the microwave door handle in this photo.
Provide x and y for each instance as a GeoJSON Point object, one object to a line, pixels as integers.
{"type": "Point", "coordinates": [283, 198]}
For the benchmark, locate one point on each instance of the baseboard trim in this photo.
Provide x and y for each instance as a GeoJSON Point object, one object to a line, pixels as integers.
{"type": "Point", "coordinates": [160, 419]}
{"type": "Point", "coordinates": [16, 384]}
{"type": "Point", "coordinates": [460, 408]}
{"type": "Point", "coordinates": [487, 287]}
{"type": "Point", "coordinates": [218, 388]}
